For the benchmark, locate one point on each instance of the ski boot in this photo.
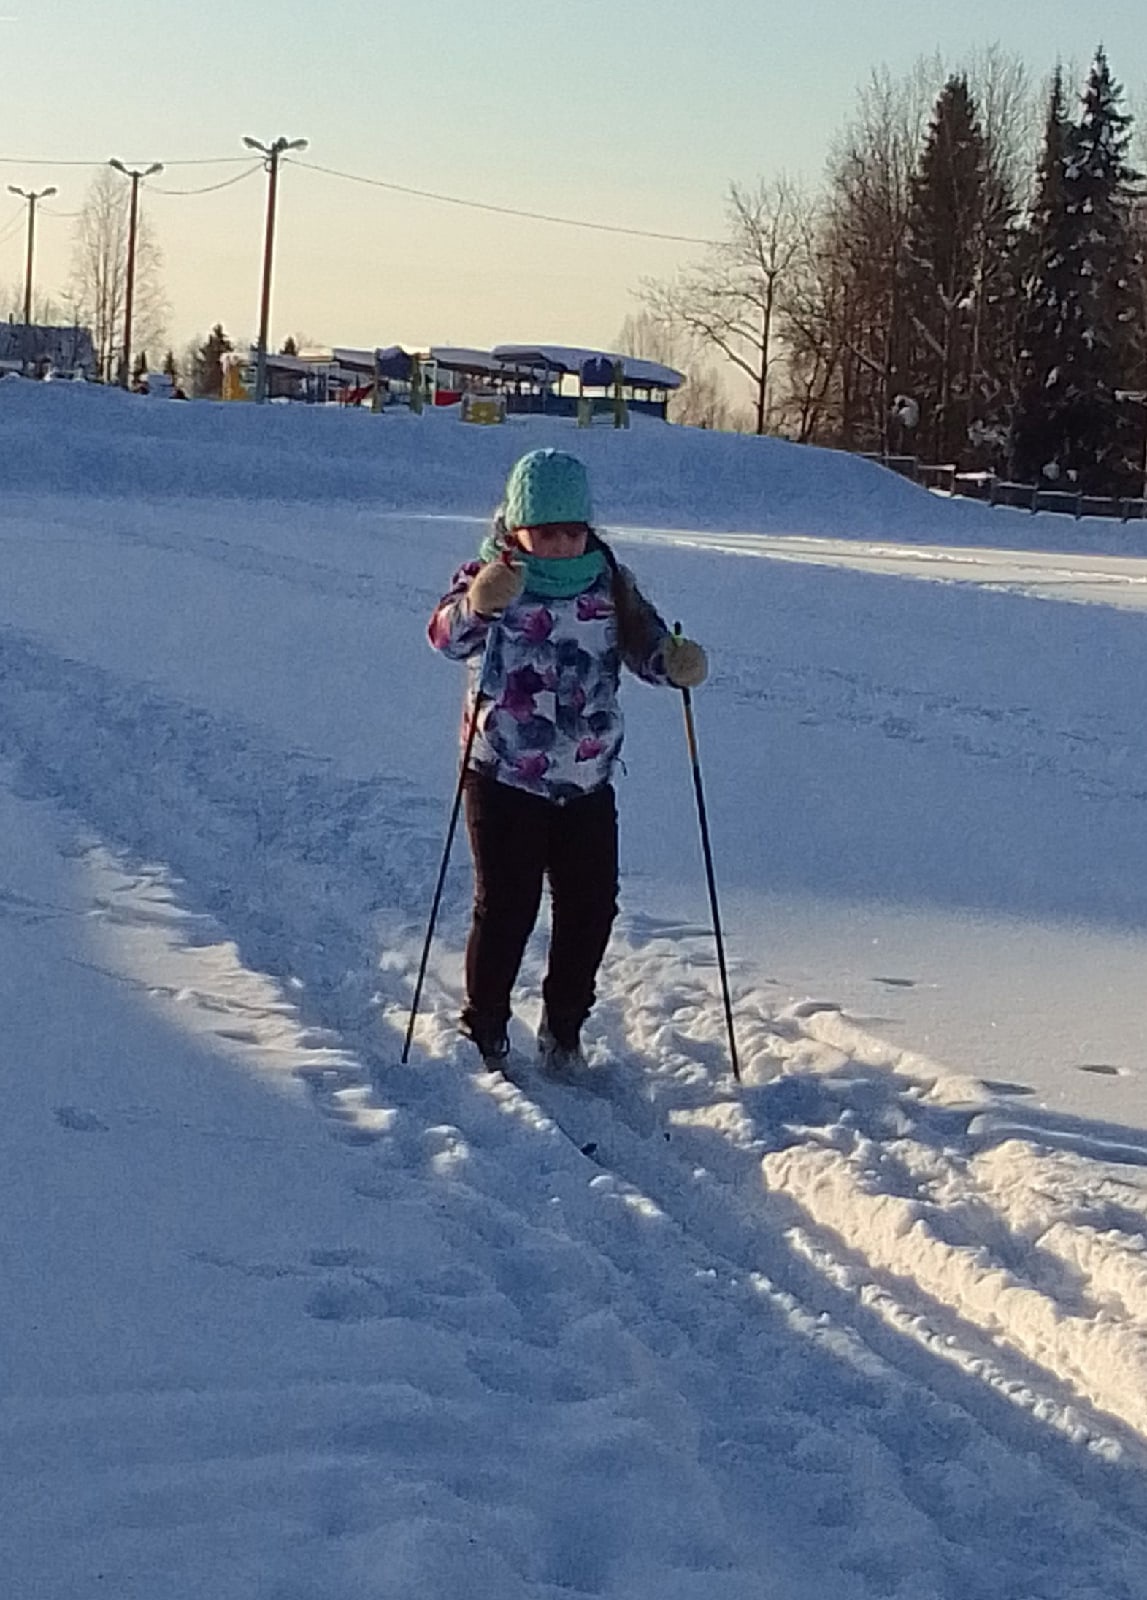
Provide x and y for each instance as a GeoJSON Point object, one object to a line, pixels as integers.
{"type": "Point", "coordinates": [559, 1050]}
{"type": "Point", "coordinates": [492, 1043]}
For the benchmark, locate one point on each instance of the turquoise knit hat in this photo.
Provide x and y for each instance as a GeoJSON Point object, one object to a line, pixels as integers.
{"type": "Point", "coordinates": [546, 486]}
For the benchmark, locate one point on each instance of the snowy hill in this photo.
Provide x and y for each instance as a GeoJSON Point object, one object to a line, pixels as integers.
{"type": "Point", "coordinates": [284, 1319]}
{"type": "Point", "coordinates": [687, 478]}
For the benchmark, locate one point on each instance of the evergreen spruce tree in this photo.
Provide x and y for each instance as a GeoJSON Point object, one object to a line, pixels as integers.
{"type": "Point", "coordinates": [1047, 303]}
{"type": "Point", "coordinates": [1079, 326]}
{"type": "Point", "coordinates": [207, 377]}
{"type": "Point", "coordinates": [955, 282]}
{"type": "Point", "coordinates": [1139, 355]}
{"type": "Point", "coordinates": [290, 347]}
{"type": "Point", "coordinates": [1100, 187]}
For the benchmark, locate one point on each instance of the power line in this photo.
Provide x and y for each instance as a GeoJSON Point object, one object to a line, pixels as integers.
{"type": "Point", "coordinates": [188, 161]}
{"type": "Point", "coordinates": [505, 211]}
{"type": "Point", "coordinates": [40, 161]}
{"type": "Point", "coordinates": [205, 161]}
{"type": "Point", "coordinates": [376, 183]}
{"type": "Point", "coordinates": [152, 188]}
{"type": "Point", "coordinates": [211, 188]}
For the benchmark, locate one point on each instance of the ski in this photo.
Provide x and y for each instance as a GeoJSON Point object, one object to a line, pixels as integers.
{"type": "Point", "coordinates": [585, 1104]}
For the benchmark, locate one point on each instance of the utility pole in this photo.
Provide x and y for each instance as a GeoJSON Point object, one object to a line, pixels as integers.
{"type": "Point", "coordinates": [271, 154]}
{"type": "Point", "coordinates": [31, 196]}
{"type": "Point", "coordinates": [129, 289]}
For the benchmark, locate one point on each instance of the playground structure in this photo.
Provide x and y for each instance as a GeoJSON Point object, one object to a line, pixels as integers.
{"type": "Point", "coordinates": [484, 409]}
{"type": "Point", "coordinates": [559, 380]}
{"type": "Point", "coordinates": [551, 380]}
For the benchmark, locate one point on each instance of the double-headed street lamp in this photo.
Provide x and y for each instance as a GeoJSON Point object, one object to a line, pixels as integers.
{"type": "Point", "coordinates": [271, 153]}
{"type": "Point", "coordinates": [31, 196]}
{"type": "Point", "coordinates": [129, 290]}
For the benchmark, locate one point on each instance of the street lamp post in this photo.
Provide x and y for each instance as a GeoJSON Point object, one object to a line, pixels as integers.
{"type": "Point", "coordinates": [129, 288]}
{"type": "Point", "coordinates": [31, 196]}
{"type": "Point", "coordinates": [271, 154]}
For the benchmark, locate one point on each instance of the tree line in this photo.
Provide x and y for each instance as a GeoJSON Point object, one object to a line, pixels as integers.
{"type": "Point", "coordinates": [945, 293]}
{"type": "Point", "coordinates": [96, 290]}
{"type": "Point", "coordinates": [966, 285]}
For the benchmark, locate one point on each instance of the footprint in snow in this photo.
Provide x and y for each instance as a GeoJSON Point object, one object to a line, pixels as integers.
{"type": "Point", "coordinates": [809, 1008]}
{"type": "Point", "coordinates": [370, 1190]}
{"type": "Point", "coordinates": [341, 1257]}
{"type": "Point", "coordinates": [344, 1302]}
{"type": "Point", "coordinates": [79, 1120]}
{"type": "Point", "coordinates": [901, 728]}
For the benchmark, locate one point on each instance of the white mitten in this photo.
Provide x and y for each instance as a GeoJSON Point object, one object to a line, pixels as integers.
{"type": "Point", "coordinates": [685, 662]}
{"type": "Point", "coordinates": [497, 585]}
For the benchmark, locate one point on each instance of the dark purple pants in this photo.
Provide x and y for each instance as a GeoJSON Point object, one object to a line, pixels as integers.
{"type": "Point", "coordinates": [519, 840]}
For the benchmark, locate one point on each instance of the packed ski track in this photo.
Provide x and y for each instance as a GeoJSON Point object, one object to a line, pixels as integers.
{"type": "Point", "coordinates": [866, 1323]}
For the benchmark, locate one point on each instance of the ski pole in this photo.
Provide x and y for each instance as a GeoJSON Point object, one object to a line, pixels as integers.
{"type": "Point", "coordinates": [695, 762]}
{"type": "Point", "coordinates": [437, 900]}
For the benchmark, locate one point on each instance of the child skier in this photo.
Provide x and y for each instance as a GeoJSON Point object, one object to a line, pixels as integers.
{"type": "Point", "coordinates": [545, 616]}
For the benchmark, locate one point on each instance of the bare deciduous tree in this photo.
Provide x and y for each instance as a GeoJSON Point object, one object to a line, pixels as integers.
{"type": "Point", "coordinates": [46, 311]}
{"type": "Point", "coordinates": [1009, 106]}
{"type": "Point", "coordinates": [812, 326]}
{"type": "Point", "coordinates": [866, 225]}
{"type": "Point", "coordinates": [99, 272]}
{"type": "Point", "coordinates": [729, 302]}
{"type": "Point", "coordinates": [701, 401]}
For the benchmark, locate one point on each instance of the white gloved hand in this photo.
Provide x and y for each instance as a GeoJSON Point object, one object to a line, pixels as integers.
{"type": "Point", "coordinates": [686, 664]}
{"type": "Point", "coordinates": [494, 588]}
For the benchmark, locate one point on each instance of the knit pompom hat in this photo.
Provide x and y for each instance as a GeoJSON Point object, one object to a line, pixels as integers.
{"type": "Point", "coordinates": [546, 486]}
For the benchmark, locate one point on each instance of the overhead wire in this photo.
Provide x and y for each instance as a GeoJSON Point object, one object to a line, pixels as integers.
{"type": "Point", "coordinates": [505, 211]}
{"type": "Point", "coordinates": [206, 161]}
{"type": "Point", "coordinates": [42, 161]}
{"type": "Point", "coordinates": [13, 227]}
{"type": "Point", "coordinates": [389, 185]}
{"type": "Point", "coordinates": [492, 207]}
{"type": "Point", "coordinates": [179, 161]}
{"type": "Point", "coordinates": [211, 188]}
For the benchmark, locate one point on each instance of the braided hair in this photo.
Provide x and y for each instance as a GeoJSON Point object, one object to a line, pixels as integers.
{"type": "Point", "coordinates": [633, 630]}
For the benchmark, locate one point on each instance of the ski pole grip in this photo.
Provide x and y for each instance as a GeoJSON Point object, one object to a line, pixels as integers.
{"type": "Point", "coordinates": [679, 633]}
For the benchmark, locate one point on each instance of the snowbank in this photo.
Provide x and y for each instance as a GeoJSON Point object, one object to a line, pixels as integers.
{"type": "Point", "coordinates": [650, 474]}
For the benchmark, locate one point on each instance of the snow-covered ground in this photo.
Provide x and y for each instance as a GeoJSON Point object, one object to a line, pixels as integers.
{"type": "Point", "coordinates": [284, 1319]}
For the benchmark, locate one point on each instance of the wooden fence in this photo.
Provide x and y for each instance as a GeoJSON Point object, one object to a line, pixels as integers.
{"type": "Point", "coordinates": [994, 491]}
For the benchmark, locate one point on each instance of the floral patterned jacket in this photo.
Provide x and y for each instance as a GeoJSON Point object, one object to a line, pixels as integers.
{"type": "Point", "coordinates": [548, 671]}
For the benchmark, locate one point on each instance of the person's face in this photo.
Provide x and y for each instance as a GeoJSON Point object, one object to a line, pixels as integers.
{"type": "Point", "coordinates": [554, 541]}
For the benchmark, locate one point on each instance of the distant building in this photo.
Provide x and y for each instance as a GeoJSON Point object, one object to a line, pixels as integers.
{"type": "Point", "coordinates": [46, 352]}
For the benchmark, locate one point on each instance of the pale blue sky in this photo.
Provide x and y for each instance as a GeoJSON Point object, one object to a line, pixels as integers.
{"type": "Point", "coordinates": [623, 111]}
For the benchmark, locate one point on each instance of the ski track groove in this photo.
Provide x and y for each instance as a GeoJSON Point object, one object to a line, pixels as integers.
{"type": "Point", "coordinates": [730, 1214]}
{"type": "Point", "coordinates": [1097, 761]}
{"type": "Point", "coordinates": [167, 782]}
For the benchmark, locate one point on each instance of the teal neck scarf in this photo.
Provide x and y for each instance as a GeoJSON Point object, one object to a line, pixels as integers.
{"type": "Point", "coordinates": [551, 579]}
